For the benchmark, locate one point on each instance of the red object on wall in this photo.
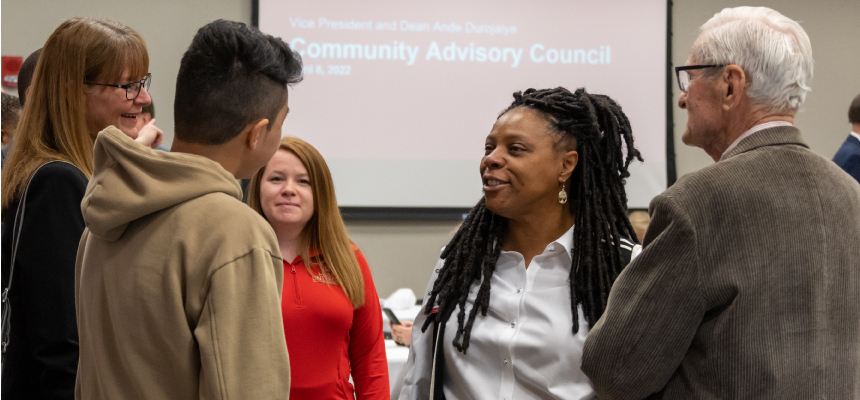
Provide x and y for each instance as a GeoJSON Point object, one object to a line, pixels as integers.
{"type": "Point", "coordinates": [11, 66]}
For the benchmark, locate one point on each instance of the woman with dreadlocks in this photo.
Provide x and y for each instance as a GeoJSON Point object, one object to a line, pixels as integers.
{"type": "Point", "coordinates": [514, 293]}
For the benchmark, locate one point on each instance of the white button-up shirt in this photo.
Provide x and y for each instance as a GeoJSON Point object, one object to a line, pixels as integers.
{"type": "Point", "coordinates": [523, 349]}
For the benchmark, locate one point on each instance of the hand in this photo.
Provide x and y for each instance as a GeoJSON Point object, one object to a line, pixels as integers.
{"type": "Point", "coordinates": [402, 334]}
{"type": "Point", "coordinates": [150, 135]}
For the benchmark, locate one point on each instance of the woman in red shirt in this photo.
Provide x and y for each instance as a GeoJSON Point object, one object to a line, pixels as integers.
{"type": "Point", "coordinates": [332, 317]}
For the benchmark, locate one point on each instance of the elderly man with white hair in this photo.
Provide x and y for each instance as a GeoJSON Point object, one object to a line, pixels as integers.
{"type": "Point", "coordinates": [749, 284]}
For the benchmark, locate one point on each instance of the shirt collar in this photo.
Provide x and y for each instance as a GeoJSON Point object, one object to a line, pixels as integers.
{"type": "Point", "coordinates": [856, 135]}
{"type": "Point", "coordinates": [566, 241]}
{"type": "Point", "coordinates": [750, 131]}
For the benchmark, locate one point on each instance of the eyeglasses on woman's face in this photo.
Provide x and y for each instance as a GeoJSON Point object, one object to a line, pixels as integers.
{"type": "Point", "coordinates": [132, 90]}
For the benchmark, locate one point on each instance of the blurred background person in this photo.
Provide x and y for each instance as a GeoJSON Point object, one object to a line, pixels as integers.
{"type": "Point", "coordinates": [10, 113]}
{"type": "Point", "coordinates": [640, 220]}
{"type": "Point", "coordinates": [399, 309]}
{"type": "Point", "coordinates": [402, 335]}
{"type": "Point", "coordinates": [332, 316]}
{"type": "Point", "coordinates": [146, 114]}
{"type": "Point", "coordinates": [25, 75]}
{"type": "Point", "coordinates": [848, 156]}
{"type": "Point", "coordinates": [92, 73]}
{"type": "Point", "coordinates": [147, 117]}
{"type": "Point", "coordinates": [553, 159]}
{"type": "Point", "coordinates": [402, 332]}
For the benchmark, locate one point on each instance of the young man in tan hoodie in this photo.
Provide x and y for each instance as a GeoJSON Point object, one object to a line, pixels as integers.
{"type": "Point", "coordinates": [178, 282]}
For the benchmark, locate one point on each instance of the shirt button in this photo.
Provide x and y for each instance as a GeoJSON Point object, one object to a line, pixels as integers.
{"type": "Point", "coordinates": [513, 324]}
{"type": "Point", "coordinates": [519, 290]}
{"type": "Point", "coordinates": [506, 361]}
{"type": "Point", "coordinates": [551, 248]}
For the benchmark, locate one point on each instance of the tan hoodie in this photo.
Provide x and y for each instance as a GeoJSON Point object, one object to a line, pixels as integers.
{"type": "Point", "coordinates": [177, 282]}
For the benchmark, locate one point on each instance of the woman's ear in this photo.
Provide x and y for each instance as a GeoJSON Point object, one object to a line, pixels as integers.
{"type": "Point", "coordinates": [568, 164]}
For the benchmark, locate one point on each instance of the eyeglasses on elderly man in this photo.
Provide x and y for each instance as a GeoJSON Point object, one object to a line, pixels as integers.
{"type": "Point", "coordinates": [684, 76]}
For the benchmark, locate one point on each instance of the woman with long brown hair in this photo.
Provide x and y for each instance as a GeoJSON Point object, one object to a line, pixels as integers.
{"type": "Point", "coordinates": [92, 73]}
{"type": "Point", "coordinates": [332, 317]}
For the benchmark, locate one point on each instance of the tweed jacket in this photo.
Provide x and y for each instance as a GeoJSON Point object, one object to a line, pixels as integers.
{"type": "Point", "coordinates": [748, 287]}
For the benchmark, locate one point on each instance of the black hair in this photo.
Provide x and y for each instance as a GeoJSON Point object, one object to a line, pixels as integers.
{"type": "Point", "coordinates": [231, 76]}
{"type": "Point", "coordinates": [604, 141]}
{"type": "Point", "coordinates": [25, 74]}
{"type": "Point", "coordinates": [11, 110]}
{"type": "Point", "coordinates": [854, 111]}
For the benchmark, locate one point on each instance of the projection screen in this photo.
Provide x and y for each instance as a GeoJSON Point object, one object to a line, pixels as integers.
{"type": "Point", "coordinates": [399, 96]}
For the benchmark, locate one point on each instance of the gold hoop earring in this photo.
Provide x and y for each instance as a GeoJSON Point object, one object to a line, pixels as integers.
{"type": "Point", "coordinates": [562, 195]}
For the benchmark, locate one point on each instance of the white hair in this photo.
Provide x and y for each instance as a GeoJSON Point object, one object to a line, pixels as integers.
{"type": "Point", "coordinates": [773, 51]}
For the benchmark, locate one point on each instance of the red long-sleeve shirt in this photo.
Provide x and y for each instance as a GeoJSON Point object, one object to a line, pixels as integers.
{"type": "Point", "coordinates": [327, 338]}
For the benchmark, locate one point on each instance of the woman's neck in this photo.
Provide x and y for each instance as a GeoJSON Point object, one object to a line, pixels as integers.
{"type": "Point", "coordinates": [289, 239]}
{"type": "Point", "coordinates": [529, 236]}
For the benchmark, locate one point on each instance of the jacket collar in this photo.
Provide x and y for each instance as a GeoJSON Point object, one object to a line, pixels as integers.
{"type": "Point", "coordinates": [780, 135]}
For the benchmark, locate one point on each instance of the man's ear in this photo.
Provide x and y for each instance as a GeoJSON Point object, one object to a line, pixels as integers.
{"type": "Point", "coordinates": [257, 132]}
{"type": "Point", "coordinates": [568, 164]}
{"type": "Point", "coordinates": [734, 81]}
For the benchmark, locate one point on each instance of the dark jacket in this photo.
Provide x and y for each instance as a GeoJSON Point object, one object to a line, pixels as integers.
{"type": "Point", "coordinates": [42, 357]}
{"type": "Point", "coordinates": [747, 288]}
{"type": "Point", "coordinates": [848, 157]}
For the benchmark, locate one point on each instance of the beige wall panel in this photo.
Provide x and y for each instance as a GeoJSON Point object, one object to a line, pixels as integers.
{"type": "Point", "coordinates": [401, 254]}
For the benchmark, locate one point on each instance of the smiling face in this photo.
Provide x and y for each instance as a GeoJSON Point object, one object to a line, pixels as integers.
{"type": "Point", "coordinates": [286, 195]}
{"type": "Point", "coordinates": [521, 170]}
{"type": "Point", "coordinates": [108, 106]}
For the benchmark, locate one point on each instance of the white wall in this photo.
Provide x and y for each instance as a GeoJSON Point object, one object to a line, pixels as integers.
{"type": "Point", "coordinates": [403, 254]}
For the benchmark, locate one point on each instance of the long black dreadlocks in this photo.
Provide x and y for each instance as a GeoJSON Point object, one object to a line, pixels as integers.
{"type": "Point", "coordinates": [598, 202]}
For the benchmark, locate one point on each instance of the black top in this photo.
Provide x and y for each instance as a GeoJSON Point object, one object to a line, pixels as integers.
{"type": "Point", "coordinates": [42, 357]}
